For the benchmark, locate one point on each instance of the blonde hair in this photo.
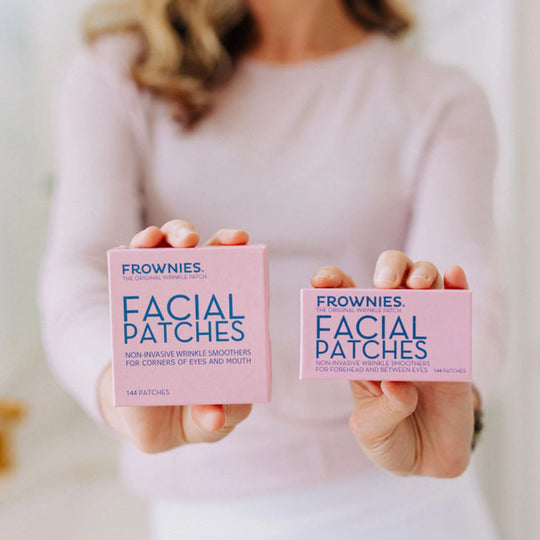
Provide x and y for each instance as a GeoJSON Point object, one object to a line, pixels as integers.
{"type": "Point", "coordinates": [190, 47]}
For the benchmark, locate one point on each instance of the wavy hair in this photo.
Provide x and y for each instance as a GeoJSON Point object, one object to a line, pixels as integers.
{"type": "Point", "coordinates": [191, 47]}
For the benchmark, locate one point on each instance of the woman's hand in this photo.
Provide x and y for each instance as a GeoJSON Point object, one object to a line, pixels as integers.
{"type": "Point", "coordinates": [157, 429]}
{"type": "Point", "coordinates": [422, 428]}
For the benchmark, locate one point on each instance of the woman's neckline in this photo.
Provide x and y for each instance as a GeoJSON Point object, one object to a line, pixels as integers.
{"type": "Point", "coordinates": [358, 49]}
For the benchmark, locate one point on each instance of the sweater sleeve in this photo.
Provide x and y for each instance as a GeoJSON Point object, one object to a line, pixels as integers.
{"type": "Point", "coordinates": [452, 219]}
{"type": "Point", "coordinates": [96, 205]}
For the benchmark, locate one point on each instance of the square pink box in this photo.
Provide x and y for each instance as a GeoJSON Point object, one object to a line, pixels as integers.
{"type": "Point", "coordinates": [382, 334]}
{"type": "Point", "coordinates": [190, 326]}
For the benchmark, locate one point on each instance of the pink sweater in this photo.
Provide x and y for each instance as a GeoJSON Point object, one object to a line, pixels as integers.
{"type": "Point", "coordinates": [327, 162]}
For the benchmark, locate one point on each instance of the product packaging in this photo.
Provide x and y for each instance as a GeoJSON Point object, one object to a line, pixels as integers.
{"type": "Point", "coordinates": [190, 326]}
{"type": "Point", "coordinates": [386, 334]}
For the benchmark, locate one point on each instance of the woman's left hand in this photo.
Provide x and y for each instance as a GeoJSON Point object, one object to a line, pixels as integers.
{"type": "Point", "coordinates": [420, 428]}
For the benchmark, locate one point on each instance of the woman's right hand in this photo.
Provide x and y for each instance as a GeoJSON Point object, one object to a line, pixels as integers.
{"type": "Point", "coordinates": [161, 428]}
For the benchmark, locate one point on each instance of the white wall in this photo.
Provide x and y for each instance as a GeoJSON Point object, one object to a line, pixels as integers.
{"type": "Point", "coordinates": [66, 484]}
{"type": "Point", "coordinates": [527, 144]}
{"type": "Point", "coordinates": [498, 42]}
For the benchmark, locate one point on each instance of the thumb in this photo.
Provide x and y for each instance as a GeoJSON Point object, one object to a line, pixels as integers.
{"type": "Point", "coordinates": [378, 414]}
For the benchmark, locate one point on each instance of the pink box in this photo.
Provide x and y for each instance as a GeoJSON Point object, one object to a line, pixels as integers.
{"type": "Point", "coordinates": [382, 334]}
{"type": "Point", "coordinates": [190, 326]}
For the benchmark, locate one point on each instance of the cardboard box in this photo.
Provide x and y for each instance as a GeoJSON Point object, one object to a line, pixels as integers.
{"type": "Point", "coordinates": [386, 334]}
{"type": "Point", "coordinates": [190, 326]}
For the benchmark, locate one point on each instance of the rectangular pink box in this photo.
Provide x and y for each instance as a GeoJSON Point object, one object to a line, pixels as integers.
{"type": "Point", "coordinates": [382, 334]}
{"type": "Point", "coordinates": [190, 326]}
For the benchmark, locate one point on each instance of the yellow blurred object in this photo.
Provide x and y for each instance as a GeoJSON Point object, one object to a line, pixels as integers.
{"type": "Point", "coordinates": [11, 413]}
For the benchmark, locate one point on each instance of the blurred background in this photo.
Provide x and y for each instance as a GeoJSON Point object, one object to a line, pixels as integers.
{"type": "Point", "coordinates": [65, 483]}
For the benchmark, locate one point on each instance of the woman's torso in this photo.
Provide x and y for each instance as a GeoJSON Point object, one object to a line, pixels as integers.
{"type": "Point", "coordinates": [319, 161]}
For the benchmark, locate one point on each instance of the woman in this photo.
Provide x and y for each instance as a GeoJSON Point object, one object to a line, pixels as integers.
{"type": "Point", "coordinates": [307, 125]}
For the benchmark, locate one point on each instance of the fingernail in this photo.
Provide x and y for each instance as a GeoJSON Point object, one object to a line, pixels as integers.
{"type": "Point", "coordinates": [324, 273]}
{"type": "Point", "coordinates": [228, 234]}
{"type": "Point", "coordinates": [183, 233]}
{"type": "Point", "coordinates": [386, 275]}
{"type": "Point", "coordinates": [137, 237]}
{"type": "Point", "coordinates": [419, 274]}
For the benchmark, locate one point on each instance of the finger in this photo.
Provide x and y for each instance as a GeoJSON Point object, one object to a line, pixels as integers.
{"type": "Point", "coordinates": [210, 423]}
{"type": "Point", "coordinates": [208, 417]}
{"type": "Point", "coordinates": [378, 414]}
{"type": "Point", "coordinates": [228, 237]}
{"type": "Point", "coordinates": [144, 427]}
{"type": "Point", "coordinates": [454, 278]}
{"type": "Point", "coordinates": [391, 269]}
{"type": "Point", "coordinates": [234, 414]}
{"type": "Point", "coordinates": [180, 233]}
{"type": "Point", "coordinates": [362, 390]}
{"type": "Point", "coordinates": [424, 275]}
{"type": "Point", "coordinates": [331, 277]}
{"type": "Point", "coordinates": [148, 238]}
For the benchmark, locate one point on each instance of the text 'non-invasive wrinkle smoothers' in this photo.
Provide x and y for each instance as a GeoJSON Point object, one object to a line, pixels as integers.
{"type": "Point", "coordinates": [190, 326]}
{"type": "Point", "coordinates": [381, 334]}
